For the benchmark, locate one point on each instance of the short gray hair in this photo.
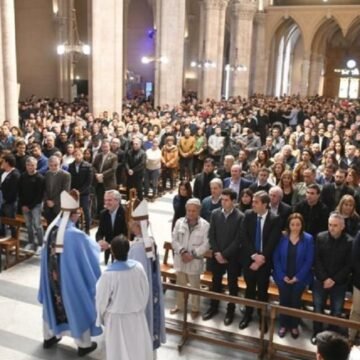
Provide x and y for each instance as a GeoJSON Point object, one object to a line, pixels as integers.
{"type": "Point", "coordinates": [337, 215]}
{"type": "Point", "coordinates": [278, 190]}
{"type": "Point", "coordinates": [193, 201]}
{"type": "Point", "coordinates": [217, 181]}
{"type": "Point", "coordinates": [115, 194]}
{"type": "Point", "coordinates": [31, 160]}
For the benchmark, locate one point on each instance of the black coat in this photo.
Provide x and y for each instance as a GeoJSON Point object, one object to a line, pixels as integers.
{"type": "Point", "coordinates": [10, 186]}
{"type": "Point", "coordinates": [270, 236]}
{"type": "Point", "coordinates": [202, 185]}
{"type": "Point", "coordinates": [333, 258]}
{"type": "Point", "coordinates": [328, 195]}
{"type": "Point", "coordinates": [106, 231]}
{"type": "Point", "coordinates": [82, 180]}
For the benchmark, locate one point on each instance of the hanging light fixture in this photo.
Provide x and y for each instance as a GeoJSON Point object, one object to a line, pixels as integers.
{"type": "Point", "coordinates": [236, 66]}
{"type": "Point", "coordinates": [75, 46]}
{"type": "Point", "coordinates": [203, 63]}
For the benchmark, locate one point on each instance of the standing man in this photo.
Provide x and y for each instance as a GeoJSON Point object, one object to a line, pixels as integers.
{"type": "Point", "coordinates": [212, 202]}
{"type": "Point", "coordinates": [56, 181]}
{"type": "Point", "coordinates": [104, 167]}
{"type": "Point", "coordinates": [278, 207]}
{"type": "Point", "coordinates": [332, 269]}
{"type": "Point", "coordinates": [262, 183]}
{"type": "Point", "coordinates": [261, 233]}
{"type": "Point", "coordinates": [31, 192]}
{"type": "Point", "coordinates": [355, 309]}
{"type": "Point", "coordinates": [135, 164]}
{"type": "Point", "coordinates": [69, 267]}
{"type": "Point", "coordinates": [186, 152]}
{"type": "Point", "coordinates": [81, 179]}
{"type": "Point", "coordinates": [9, 189]}
{"type": "Point", "coordinates": [202, 180]}
{"type": "Point", "coordinates": [314, 212]}
{"type": "Point", "coordinates": [236, 182]}
{"type": "Point", "coordinates": [112, 221]}
{"type": "Point", "coordinates": [190, 243]}
{"type": "Point", "coordinates": [224, 237]}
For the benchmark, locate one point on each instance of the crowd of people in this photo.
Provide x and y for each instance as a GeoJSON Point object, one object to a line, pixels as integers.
{"type": "Point", "coordinates": [270, 185]}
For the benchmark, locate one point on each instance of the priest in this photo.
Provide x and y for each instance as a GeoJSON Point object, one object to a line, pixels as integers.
{"type": "Point", "coordinates": [127, 335]}
{"type": "Point", "coordinates": [143, 249]}
{"type": "Point", "coordinates": [69, 272]}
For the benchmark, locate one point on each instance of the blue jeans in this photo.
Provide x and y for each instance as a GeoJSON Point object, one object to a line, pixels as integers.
{"type": "Point", "coordinates": [8, 210]}
{"type": "Point", "coordinates": [33, 225]}
{"type": "Point", "coordinates": [151, 177]}
{"type": "Point", "coordinates": [320, 296]}
{"type": "Point", "coordinates": [290, 296]}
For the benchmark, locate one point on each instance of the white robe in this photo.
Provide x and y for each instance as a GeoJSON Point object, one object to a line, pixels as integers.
{"type": "Point", "coordinates": [121, 298]}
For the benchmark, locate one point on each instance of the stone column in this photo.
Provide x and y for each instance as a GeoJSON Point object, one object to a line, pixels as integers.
{"type": "Point", "coordinates": [106, 70]}
{"type": "Point", "coordinates": [169, 62]}
{"type": "Point", "coordinates": [316, 67]}
{"type": "Point", "coordinates": [241, 40]}
{"type": "Point", "coordinates": [64, 34]}
{"type": "Point", "coordinates": [259, 59]}
{"type": "Point", "coordinates": [2, 90]}
{"type": "Point", "coordinates": [305, 73]}
{"type": "Point", "coordinates": [125, 43]}
{"type": "Point", "coordinates": [211, 47]}
{"type": "Point", "coordinates": [9, 71]}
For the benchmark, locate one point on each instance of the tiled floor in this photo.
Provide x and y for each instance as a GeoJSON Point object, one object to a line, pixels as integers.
{"type": "Point", "coordinates": [21, 325]}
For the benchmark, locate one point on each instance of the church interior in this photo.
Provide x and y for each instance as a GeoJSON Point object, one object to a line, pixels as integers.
{"type": "Point", "coordinates": [114, 52]}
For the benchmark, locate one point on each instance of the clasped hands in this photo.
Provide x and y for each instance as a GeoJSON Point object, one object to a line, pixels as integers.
{"type": "Point", "coordinates": [290, 281]}
{"type": "Point", "coordinates": [220, 258]}
{"type": "Point", "coordinates": [186, 257]}
{"type": "Point", "coordinates": [259, 260]}
{"type": "Point", "coordinates": [104, 245]}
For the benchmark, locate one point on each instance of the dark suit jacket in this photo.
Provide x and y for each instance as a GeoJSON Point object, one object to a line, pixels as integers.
{"type": "Point", "coordinates": [244, 184]}
{"type": "Point", "coordinates": [270, 236]}
{"type": "Point", "coordinates": [324, 144]}
{"type": "Point", "coordinates": [255, 187]}
{"type": "Point", "coordinates": [355, 164]}
{"type": "Point", "coordinates": [202, 185]}
{"type": "Point", "coordinates": [108, 170]}
{"type": "Point", "coordinates": [54, 185]}
{"type": "Point", "coordinates": [10, 186]}
{"type": "Point", "coordinates": [81, 181]}
{"type": "Point", "coordinates": [284, 211]}
{"type": "Point", "coordinates": [328, 195]}
{"type": "Point", "coordinates": [106, 231]}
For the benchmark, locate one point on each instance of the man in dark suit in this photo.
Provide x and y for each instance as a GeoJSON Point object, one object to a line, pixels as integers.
{"type": "Point", "coordinates": [81, 179]}
{"type": "Point", "coordinates": [261, 232]}
{"type": "Point", "coordinates": [332, 193]}
{"type": "Point", "coordinates": [278, 207]}
{"type": "Point", "coordinates": [236, 182]}
{"type": "Point", "coordinates": [202, 180]}
{"type": "Point", "coordinates": [262, 183]}
{"type": "Point", "coordinates": [350, 160]}
{"type": "Point", "coordinates": [56, 181]}
{"type": "Point", "coordinates": [9, 189]}
{"type": "Point", "coordinates": [224, 238]}
{"type": "Point", "coordinates": [321, 139]}
{"type": "Point", "coordinates": [112, 221]}
{"type": "Point", "coordinates": [104, 167]}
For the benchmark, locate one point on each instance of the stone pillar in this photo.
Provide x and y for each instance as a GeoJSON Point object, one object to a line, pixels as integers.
{"type": "Point", "coordinates": [259, 59]}
{"type": "Point", "coordinates": [241, 40]}
{"type": "Point", "coordinates": [2, 89]}
{"type": "Point", "coordinates": [64, 34]}
{"type": "Point", "coordinates": [106, 70]}
{"type": "Point", "coordinates": [169, 63]}
{"type": "Point", "coordinates": [305, 72]}
{"type": "Point", "coordinates": [316, 67]}
{"type": "Point", "coordinates": [9, 71]}
{"type": "Point", "coordinates": [211, 47]}
{"type": "Point", "coordinates": [125, 43]}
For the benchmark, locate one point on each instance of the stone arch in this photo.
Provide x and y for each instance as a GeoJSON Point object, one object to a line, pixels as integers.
{"type": "Point", "coordinates": [353, 32]}
{"type": "Point", "coordinates": [286, 37]}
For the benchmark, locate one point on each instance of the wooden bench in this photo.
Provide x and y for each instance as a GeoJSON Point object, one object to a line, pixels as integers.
{"type": "Point", "coordinates": [168, 272]}
{"type": "Point", "coordinates": [10, 244]}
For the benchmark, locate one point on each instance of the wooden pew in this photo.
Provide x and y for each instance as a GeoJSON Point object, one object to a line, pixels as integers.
{"type": "Point", "coordinates": [10, 244]}
{"type": "Point", "coordinates": [168, 272]}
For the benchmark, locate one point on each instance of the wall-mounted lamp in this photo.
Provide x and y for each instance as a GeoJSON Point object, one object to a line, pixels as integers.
{"type": "Point", "coordinates": [148, 59]}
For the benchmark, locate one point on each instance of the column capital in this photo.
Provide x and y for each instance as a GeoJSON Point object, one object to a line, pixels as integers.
{"type": "Point", "coordinates": [244, 10]}
{"type": "Point", "coordinates": [215, 4]}
{"type": "Point", "coordinates": [260, 18]}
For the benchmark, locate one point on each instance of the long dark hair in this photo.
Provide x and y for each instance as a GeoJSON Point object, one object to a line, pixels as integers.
{"type": "Point", "coordinates": [187, 186]}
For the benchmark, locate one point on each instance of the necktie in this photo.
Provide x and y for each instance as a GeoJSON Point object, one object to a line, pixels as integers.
{"type": "Point", "coordinates": [258, 235]}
